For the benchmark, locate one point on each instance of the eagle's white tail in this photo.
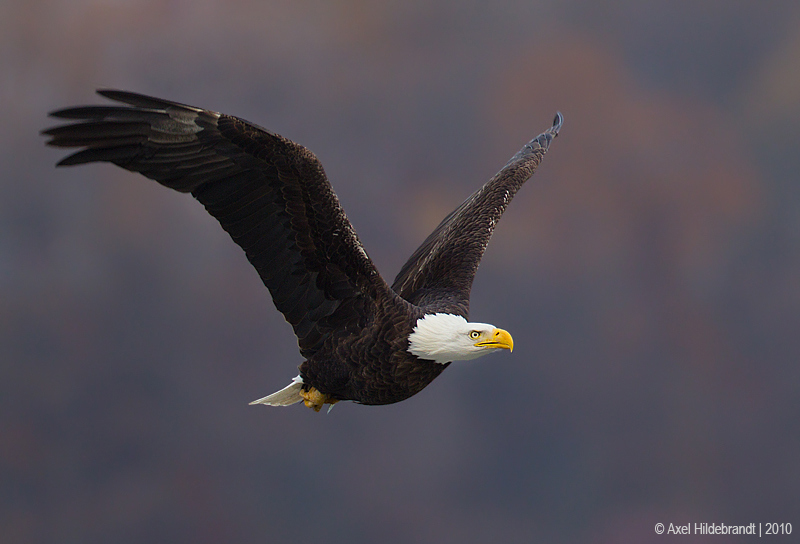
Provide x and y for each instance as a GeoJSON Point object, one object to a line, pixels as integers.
{"type": "Point", "coordinates": [286, 396]}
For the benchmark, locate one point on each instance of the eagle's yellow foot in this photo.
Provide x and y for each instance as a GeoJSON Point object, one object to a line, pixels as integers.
{"type": "Point", "coordinates": [315, 399]}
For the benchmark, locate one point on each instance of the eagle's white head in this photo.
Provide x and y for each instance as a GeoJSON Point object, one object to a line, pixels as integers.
{"type": "Point", "coordinates": [447, 337]}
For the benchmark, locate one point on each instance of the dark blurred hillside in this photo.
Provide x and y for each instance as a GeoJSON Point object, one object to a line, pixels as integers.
{"type": "Point", "coordinates": [648, 273]}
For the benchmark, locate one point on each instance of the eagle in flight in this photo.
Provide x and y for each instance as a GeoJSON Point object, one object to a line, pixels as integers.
{"type": "Point", "coordinates": [362, 339]}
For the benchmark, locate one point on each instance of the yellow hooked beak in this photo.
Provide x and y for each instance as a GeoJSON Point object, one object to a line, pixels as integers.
{"type": "Point", "coordinates": [498, 338]}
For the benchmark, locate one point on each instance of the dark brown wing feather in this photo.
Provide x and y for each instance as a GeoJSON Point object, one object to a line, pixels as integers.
{"type": "Point", "coordinates": [269, 193]}
{"type": "Point", "coordinates": [438, 276]}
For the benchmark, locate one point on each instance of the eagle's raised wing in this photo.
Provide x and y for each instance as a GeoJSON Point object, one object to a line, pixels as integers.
{"type": "Point", "coordinates": [269, 193]}
{"type": "Point", "coordinates": [440, 272]}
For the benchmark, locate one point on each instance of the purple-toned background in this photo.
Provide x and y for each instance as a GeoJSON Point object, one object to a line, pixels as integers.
{"type": "Point", "coordinates": [649, 272]}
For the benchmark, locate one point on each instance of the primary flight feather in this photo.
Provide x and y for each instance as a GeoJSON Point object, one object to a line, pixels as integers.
{"type": "Point", "coordinates": [362, 339]}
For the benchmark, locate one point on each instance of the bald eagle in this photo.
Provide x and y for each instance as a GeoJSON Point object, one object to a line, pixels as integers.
{"type": "Point", "coordinates": [362, 339]}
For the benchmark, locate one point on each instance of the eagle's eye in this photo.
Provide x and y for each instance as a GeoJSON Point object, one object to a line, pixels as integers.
{"type": "Point", "coordinates": [475, 335]}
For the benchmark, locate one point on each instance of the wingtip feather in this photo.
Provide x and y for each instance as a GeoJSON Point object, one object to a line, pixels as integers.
{"type": "Point", "coordinates": [557, 123]}
{"type": "Point", "coordinates": [143, 101]}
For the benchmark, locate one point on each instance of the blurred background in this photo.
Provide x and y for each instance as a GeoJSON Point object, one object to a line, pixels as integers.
{"type": "Point", "coordinates": [649, 273]}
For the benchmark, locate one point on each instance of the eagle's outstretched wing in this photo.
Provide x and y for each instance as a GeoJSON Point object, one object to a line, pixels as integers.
{"type": "Point", "coordinates": [440, 272]}
{"type": "Point", "coordinates": [269, 193]}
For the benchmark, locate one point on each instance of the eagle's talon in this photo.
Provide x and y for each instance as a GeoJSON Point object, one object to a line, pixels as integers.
{"type": "Point", "coordinates": [315, 399]}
